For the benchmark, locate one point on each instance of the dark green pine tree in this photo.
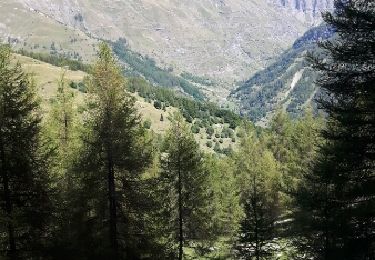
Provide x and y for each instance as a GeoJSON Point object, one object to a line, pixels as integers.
{"type": "Point", "coordinates": [24, 181]}
{"type": "Point", "coordinates": [115, 153]}
{"type": "Point", "coordinates": [337, 200]}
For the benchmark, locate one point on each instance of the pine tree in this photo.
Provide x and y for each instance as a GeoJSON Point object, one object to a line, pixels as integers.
{"type": "Point", "coordinates": [338, 196]}
{"type": "Point", "coordinates": [24, 185]}
{"type": "Point", "coordinates": [184, 183]}
{"type": "Point", "coordinates": [116, 151]}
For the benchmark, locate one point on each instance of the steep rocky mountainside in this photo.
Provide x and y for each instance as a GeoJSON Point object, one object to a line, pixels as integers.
{"type": "Point", "coordinates": [201, 48]}
{"type": "Point", "coordinates": [306, 10]}
{"type": "Point", "coordinates": [288, 83]}
{"type": "Point", "coordinates": [224, 39]}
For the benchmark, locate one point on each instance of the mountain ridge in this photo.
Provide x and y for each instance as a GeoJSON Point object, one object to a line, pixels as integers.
{"type": "Point", "coordinates": [214, 38]}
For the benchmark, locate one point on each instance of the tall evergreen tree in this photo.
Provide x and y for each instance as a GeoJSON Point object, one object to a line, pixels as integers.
{"type": "Point", "coordinates": [24, 184]}
{"type": "Point", "coordinates": [185, 181]}
{"type": "Point", "coordinates": [339, 195]}
{"type": "Point", "coordinates": [115, 153]}
{"type": "Point", "coordinates": [258, 175]}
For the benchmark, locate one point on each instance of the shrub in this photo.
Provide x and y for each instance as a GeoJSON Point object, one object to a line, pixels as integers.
{"type": "Point", "coordinates": [147, 124]}
{"type": "Point", "coordinates": [157, 104]}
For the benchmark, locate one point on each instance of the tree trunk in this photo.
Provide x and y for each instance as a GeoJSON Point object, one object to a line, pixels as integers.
{"type": "Point", "coordinates": [256, 228]}
{"type": "Point", "coordinates": [180, 218]}
{"type": "Point", "coordinates": [181, 238]}
{"type": "Point", "coordinates": [112, 209]}
{"type": "Point", "coordinates": [8, 205]}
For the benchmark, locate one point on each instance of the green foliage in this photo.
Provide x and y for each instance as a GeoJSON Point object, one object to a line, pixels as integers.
{"type": "Point", "coordinates": [190, 108]}
{"type": "Point", "coordinates": [157, 104]}
{"type": "Point", "coordinates": [146, 67]}
{"type": "Point", "coordinates": [260, 94]}
{"type": "Point", "coordinates": [25, 183]}
{"type": "Point", "coordinates": [187, 203]}
{"type": "Point", "coordinates": [217, 147]}
{"type": "Point", "coordinates": [147, 124]}
{"type": "Point", "coordinates": [200, 80]}
{"type": "Point", "coordinates": [56, 60]}
{"type": "Point", "coordinates": [195, 129]}
{"type": "Point", "coordinates": [114, 154]}
{"type": "Point", "coordinates": [210, 130]}
{"type": "Point", "coordinates": [337, 196]}
{"type": "Point", "coordinates": [257, 171]}
{"type": "Point", "coordinates": [81, 86]}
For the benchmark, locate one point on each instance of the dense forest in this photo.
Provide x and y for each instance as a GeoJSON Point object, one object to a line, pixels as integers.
{"type": "Point", "coordinates": [95, 183]}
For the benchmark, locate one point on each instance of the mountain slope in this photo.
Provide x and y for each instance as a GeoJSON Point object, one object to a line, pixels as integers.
{"type": "Point", "coordinates": [25, 28]}
{"type": "Point", "coordinates": [287, 83]}
{"type": "Point", "coordinates": [203, 117]}
{"type": "Point", "coordinates": [217, 38]}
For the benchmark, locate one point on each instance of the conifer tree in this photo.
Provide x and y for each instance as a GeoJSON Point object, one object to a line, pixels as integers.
{"type": "Point", "coordinates": [185, 182]}
{"type": "Point", "coordinates": [338, 197]}
{"type": "Point", "coordinates": [115, 152]}
{"type": "Point", "coordinates": [25, 205]}
{"type": "Point", "coordinates": [61, 128]}
{"type": "Point", "coordinates": [259, 178]}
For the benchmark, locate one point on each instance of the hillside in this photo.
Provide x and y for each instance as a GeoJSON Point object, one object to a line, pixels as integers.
{"type": "Point", "coordinates": [46, 77]}
{"type": "Point", "coordinates": [287, 83]}
{"type": "Point", "coordinates": [197, 48]}
{"type": "Point", "coordinates": [214, 38]}
{"type": "Point", "coordinates": [25, 28]}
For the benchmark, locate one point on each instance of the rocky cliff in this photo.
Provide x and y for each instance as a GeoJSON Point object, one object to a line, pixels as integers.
{"type": "Point", "coordinates": [308, 11]}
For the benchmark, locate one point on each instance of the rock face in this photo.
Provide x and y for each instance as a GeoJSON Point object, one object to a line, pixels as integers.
{"type": "Point", "coordinates": [308, 10]}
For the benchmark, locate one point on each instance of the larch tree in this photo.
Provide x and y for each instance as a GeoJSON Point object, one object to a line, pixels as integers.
{"type": "Point", "coordinates": [115, 153]}
{"type": "Point", "coordinates": [184, 183]}
{"type": "Point", "coordinates": [61, 128]}
{"type": "Point", "coordinates": [258, 175]}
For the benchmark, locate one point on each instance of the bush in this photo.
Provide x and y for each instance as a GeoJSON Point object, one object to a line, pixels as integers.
{"type": "Point", "coordinates": [157, 104]}
{"type": "Point", "coordinates": [82, 87]}
{"type": "Point", "coordinates": [195, 129]}
{"type": "Point", "coordinates": [147, 124]}
{"type": "Point", "coordinates": [217, 148]}
{"type": "Point", "coordinates": [239, 134]}
{"type": "Point", "coordinates": [209, 144]}
{"type": "Point", "coordinates": [210, 130]}
{"type": "Point", "coordinates": [73, 85]}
